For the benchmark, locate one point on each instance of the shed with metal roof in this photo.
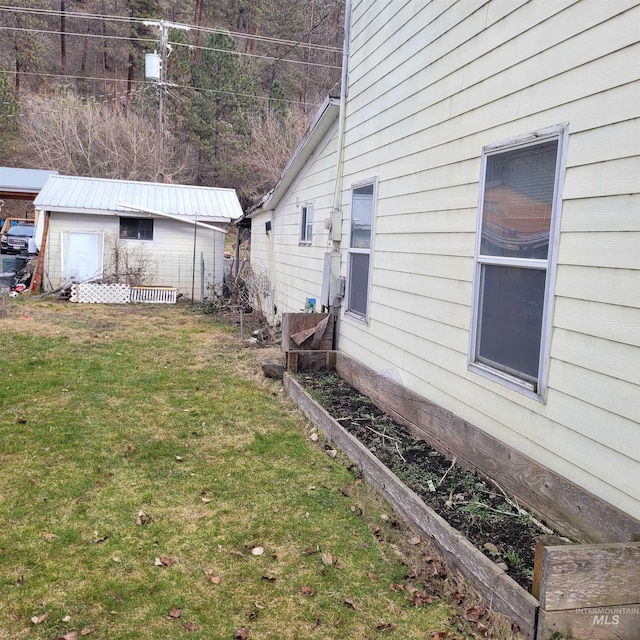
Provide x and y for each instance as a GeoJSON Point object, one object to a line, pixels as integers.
{"type": "Point", "coordinates": [136, 232]}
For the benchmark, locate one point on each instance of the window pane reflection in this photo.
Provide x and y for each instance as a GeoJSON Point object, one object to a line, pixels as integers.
{"type": "Point", "coordinates": [518, 199]}
{"type": "Point", "coordinates": [361, 217]}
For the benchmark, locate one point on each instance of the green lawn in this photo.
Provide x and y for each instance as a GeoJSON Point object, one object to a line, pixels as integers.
{"type": "Point", "coordinates": [107, 412]}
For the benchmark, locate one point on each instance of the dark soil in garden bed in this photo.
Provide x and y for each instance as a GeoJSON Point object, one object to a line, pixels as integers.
{"type": "Point", "coordinates": [490, 520]}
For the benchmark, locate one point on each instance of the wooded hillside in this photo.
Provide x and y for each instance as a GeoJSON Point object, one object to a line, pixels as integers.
{"type": "Point", "coordinates": [241, 81]}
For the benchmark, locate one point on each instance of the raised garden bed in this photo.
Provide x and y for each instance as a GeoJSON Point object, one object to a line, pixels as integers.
{"type": "Point", "coordinates": [487, 517]}
{"type": "Point", "coordinates": [506, 596]}
{"type": "Point", "coordinates": [571, 596]}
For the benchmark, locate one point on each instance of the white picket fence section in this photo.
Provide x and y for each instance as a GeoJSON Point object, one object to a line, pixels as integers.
{"type": "Point", "coordinates": [158, 295]}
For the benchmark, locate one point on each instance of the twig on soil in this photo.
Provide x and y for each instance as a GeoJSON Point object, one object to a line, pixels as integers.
{"type": "Point", "coordinates": [522, 511]}
{"type": "Point", "coordinates": [398, 450]}
{"type": "Point", "coordinates": [488, 508]}
{"type": "Point", "coordinates": [383, 435]}
{"type": "Point", "coordinates": [447, 471]}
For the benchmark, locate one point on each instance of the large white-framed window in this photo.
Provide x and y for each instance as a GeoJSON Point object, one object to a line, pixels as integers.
{"type": "Point", "coordinates": [363, 196]}
{"type": "Point", "coordinates": [515, 259]}
{"type": "Point", "coordinates": [306, 224]}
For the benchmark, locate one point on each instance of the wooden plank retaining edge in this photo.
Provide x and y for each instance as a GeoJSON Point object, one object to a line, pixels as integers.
{"type": "Point", "coordinates": [567, 508]}
{"type": "Point", "coordinates": [590, 575]}
{"type": "Point", "coordinates": [600, 623]}
{"type": "Point", "coordinates": [501, 592]}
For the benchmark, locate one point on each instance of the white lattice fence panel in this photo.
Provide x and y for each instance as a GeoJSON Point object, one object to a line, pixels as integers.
{"type": "Point", "coordinates": [93, 293]}
{"type": "Point", "coordinates": [158, 295]}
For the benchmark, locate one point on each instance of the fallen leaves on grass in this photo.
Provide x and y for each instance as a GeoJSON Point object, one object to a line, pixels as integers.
{"type": "Point", "coordinates": [420, 599]}
{"type": "Point", "coordinates": [175, 613]}
{"type": "Point", "coordinates": [142, 518]}
{"type": "Point", "coordinates": [39, 619]}
{"type": "Point", "coordinates": [164, 561]}
{"type": "Point", "coordinates": [350, 603]}
{"type": "Point", "coordinates": [257, 551]}
{"type": "Point", "coordinates": [74, 635]}
{"type": "Point", "coordinates": [214, 579]}
{"type": "Point", "coordinates": [473, 614]}
{"type": "Point", "coordinates": [241, 634]}
{"type": "Point", "coordinates": [327, 559]}
{"type": "Point", "coordinates": [307, 590]}
{"type": "Point", "coordinates": [191, 626]}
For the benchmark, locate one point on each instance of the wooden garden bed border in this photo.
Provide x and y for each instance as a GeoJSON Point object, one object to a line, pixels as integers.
{"type": "Point", "coordinates": [503, 593]}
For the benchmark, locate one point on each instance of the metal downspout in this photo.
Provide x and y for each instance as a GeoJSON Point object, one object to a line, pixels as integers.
{"type": "Point", "coordinates": [343, 115]}
{"type": "Point", "coordinates": [336, 211]}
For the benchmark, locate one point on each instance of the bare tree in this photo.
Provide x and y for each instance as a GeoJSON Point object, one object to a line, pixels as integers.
{"type": "Point", "coordinates": [88, 138]}
{"type": "Point", "coordinates": [274, 137]}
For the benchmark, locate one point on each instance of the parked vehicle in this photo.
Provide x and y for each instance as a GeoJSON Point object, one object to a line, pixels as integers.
{"type": "Point", "coordinates": [16, 240]}
{"type": "Point", "coordinates": [7, 223]}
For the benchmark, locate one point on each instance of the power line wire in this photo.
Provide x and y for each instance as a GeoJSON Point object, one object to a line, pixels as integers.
{"type": "Point", "coordinates": [81, 35]}
{"type": "Point", "coordinates": [179, 44]}
{"type": "Point", "coordinates": [255, 55]}
{"type": "Point", "coordinates": [152, 84]}
{"type": "Point", "coordinates": [129, 20]}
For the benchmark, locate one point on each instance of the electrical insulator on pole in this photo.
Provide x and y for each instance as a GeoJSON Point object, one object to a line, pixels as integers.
{"type": "Point", "coordinates": [156, 70]}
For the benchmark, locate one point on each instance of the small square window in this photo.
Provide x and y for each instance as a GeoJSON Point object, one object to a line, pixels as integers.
{"type": "Point", "coordinates": [136, 228]}
{"type": "Point", "coordinates": [306, 224]}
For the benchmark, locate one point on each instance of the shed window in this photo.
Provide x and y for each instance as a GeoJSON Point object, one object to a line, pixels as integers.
{"type": "Point", "coordinates": [359, 266]}
{"type": "Point", "coordinates": [136, 228]}
{"type": "Point", "coordinates": [306, 224]}
{"type": "Point", "coordinates": [515, 257]}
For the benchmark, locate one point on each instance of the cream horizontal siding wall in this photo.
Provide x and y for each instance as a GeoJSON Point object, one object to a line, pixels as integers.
{"type": "Point", "coordinates": [297, 268]}
{"type": "Point", "coordinates": [168, 258]}
{"type": "Point", "coordinates": [431, 83]}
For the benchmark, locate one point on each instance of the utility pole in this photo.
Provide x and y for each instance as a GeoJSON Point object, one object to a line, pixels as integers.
{"type": "Point", "coordinates": [160, 76]}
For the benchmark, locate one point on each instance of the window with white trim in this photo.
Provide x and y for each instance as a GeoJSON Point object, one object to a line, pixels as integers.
{"type": "Point", "coordinates": [306, 224]}
{"type": "Point", "coordinates": [518, 221]}
{"type": "Point", "coordinates": [360, 236]}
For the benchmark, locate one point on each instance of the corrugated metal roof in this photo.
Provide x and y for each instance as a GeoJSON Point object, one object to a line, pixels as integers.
{"type": "Point", "coordinates": [23, 180]}
{"type": "Point", "coordinates": [100, 196]}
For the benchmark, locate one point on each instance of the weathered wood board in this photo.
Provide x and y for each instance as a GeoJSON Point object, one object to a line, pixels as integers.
{"type": "Point", "coordinates": [298, 361]}
{"type": "Point", "coordinates": [504, 594]}
{"type": "Point", "coordinates": [598, 623]}
{"type": "Point", "coordinates": [568, 508]}
{"type": "Point", "coordinates": [541, 543]}
{"type": "Point", "coordinates": [591, 575]}
{"type": "Point", "coordinates": [296, 323]}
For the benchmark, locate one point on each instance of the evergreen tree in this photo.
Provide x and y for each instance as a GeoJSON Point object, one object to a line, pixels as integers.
{"type": "Point", "coordinates": [220, 109]}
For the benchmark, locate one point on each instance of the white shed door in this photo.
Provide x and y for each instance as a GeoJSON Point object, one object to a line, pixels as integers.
{"type": "Point", "coordinates": [83, 255]}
